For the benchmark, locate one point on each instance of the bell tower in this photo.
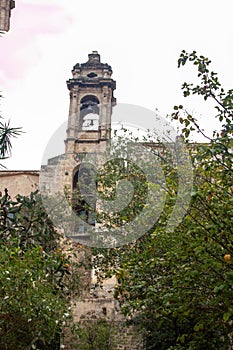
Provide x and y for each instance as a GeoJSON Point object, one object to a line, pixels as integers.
{"type": "Point", "coordinates": [89, 124]}
{"type": "Point", "coordinates": [91, 101]}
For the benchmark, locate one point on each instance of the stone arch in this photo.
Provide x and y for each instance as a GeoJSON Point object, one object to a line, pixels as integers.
{"type": "Point", "coordinates": [89, 112]}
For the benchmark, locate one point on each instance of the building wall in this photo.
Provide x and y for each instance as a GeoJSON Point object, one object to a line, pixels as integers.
{"type": "Point", "coordinates": [5, 12]}
{"type": "Point", "coordinates": [19, 182]}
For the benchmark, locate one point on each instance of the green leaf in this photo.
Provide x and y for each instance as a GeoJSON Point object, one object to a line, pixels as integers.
{"type": "Point", "coordinates": [226, 316]}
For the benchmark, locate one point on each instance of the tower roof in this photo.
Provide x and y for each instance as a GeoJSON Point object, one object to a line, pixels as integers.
{"type": "Point", "coordinates": [92, 73]}
{"type": "Point", "coordinates": [93, 62]}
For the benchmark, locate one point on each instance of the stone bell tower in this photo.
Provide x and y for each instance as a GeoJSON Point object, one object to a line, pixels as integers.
{"type": "Point", "coordinates": [89, 123]}
{"type": "Point", "coordinates": [91, 101]}
{"type": "Point", "coordinates": [88, 132]}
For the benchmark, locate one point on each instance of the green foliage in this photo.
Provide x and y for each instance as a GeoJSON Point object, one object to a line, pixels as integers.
{"type": "Point", "coordinates": [36, 276]}
{"type": "Point", "coordinates": [108, 178]}
{"type": "Point", "coordinates": [6, 134]}
{"type": "Point", "coordinates": [32, 309]}
{"type": "Point", "coordinates": [178, 285]}
{"type": "Point", "coordinates": [22, 218]}
{"type": "Point", "coordinates": [95, 335]}
{"type": "Point", "coordinates": [35, 284]}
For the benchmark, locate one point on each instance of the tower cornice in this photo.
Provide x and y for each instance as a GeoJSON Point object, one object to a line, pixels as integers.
{"type": "Point", "coordinates": [91, 83]}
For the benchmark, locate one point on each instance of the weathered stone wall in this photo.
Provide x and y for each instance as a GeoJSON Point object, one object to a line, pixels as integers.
{"type": "Point", "coordinates": [57, 174]}
{"type": "Point", "coordinates": [5, 12]}
{"type": "Point", "coordinates": [128, 337]}
{"type": "Point", "coordinates": [19, 182]}
{"type": "Point", "coordinates": [122, 336]}
{"type": "Point", "coordinates": [100, 304]}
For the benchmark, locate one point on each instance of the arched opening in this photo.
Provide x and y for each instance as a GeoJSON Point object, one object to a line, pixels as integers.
{"type": "Point", "coordinates": [92, 75]}
{"type": "Point", "coordinates": [83, 201]}
{"type": "Point", "coordinates": [89, 112]}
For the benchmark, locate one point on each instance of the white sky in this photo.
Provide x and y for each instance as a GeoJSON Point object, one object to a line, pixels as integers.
{"type": "Point", "coordinates": [141, 40]}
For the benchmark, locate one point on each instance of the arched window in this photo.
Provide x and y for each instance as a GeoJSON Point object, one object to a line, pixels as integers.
{"type": "Point", "coordinates": [89, 112]}
{"type": "Point", "coordinates": [92, 75]}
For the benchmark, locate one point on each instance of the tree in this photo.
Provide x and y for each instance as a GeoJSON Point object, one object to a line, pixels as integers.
{"type": "Point", "coordinates": [95, 335]}
{"type": "Point", "coordinates": [36, 276]}
{"type": "Point", "coordinates": [6, 134]}
{"type": "Point", "coordinates": [178, 285]}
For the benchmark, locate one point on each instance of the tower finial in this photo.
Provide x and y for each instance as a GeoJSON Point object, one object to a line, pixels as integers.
{"type": "Point", "coordinates": [94, 56]}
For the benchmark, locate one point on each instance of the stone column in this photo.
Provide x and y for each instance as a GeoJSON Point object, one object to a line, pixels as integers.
{"type": "Point", "coordinates": [72, 122]}
{"type": "Point", "coordinates": [5, 12]}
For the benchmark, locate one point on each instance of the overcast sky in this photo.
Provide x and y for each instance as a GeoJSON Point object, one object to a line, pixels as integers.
{"type": "Point", "coordinates": [141, 40]}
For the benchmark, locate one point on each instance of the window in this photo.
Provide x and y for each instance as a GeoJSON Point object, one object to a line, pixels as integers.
{"type": "Point", "coordinates": [89, 112]}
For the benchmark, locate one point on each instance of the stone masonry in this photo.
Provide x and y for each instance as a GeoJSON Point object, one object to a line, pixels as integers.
{"type": "Point", "coordinates": [88, 132]}
{"type": "Point", "coordinates": [5, 12]}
